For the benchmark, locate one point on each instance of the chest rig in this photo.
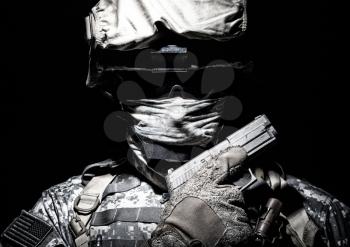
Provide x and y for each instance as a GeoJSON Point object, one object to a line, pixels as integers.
{"type": "Point", "coordinates": [114, 209]}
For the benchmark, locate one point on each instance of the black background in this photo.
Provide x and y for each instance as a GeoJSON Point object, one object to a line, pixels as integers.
{"type": "Point", "coordinates": [52, 125]}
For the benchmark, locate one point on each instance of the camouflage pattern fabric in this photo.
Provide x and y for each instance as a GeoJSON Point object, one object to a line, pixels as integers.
{"type": "Point", "coordinates": [329, 214]}
{"type": "Point", "coordinates": [142, 196]}
{"type": "Point", "coordinates": [56, 207]}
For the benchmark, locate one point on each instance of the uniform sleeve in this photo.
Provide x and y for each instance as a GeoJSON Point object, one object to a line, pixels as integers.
{"type": "Point", "coordinates": [331, 215]}
{"type": "Point", "coordinates": [47, 210]}
{"type": "Point", "coordinates": [55, 207]}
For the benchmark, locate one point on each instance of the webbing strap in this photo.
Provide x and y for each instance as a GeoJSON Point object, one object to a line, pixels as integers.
{"type": "Point", "coordinates": [87, 28]}
{"type": "Point", "coordinates": [99, 168]}
{"type": "Point", "coordinates": [121, 242]}
{"type": "Point", "coordinates": [122, 186]}
{"type": "Point", "coordinates": [303, 226]}
{"type": "Point", "coordinates": [300, 226]}
{"type": "Point", "coordinates": [146, 215]}
{"type": "Point", "coordinates": [90, 197]}
{"type": "Point", "coordinates": [274, 180]}
{"type": "Point", "coordinates": [85, 204]}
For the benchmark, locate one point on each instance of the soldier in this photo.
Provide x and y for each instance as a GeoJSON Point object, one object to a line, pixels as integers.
{"type": "Point", "coordinates": [171, 118]}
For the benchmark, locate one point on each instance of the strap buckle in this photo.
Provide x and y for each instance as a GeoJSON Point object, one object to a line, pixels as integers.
{"type": "Point", "coordinates": [88, 199]}
{"type": "Point", "coordinates": [77, 226]}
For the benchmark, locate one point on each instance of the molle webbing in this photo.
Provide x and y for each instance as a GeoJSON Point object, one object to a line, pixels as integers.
{"type": "Point", "coordinates": [120, 242]}
{"type": "Point", "coordinates": [122, 186]}
{"type": "Point", "coordinates": [146, 215]}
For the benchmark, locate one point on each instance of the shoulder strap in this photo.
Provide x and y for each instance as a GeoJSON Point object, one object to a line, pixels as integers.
{"type": "Point", "coordinates": [100, 168]}
{"type": "Point", "coordinates": [85, 205]}
{"type": "Point", "coordinates": [301, 228]}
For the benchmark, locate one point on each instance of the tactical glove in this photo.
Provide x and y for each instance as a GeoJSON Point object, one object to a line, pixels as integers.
{"type": "Point", "coordinates": [205, 211]}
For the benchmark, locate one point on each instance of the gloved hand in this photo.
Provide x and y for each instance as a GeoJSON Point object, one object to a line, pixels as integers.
{"type": "Point", "coordinates": [204, 210]}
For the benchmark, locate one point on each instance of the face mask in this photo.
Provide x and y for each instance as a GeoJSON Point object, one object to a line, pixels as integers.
{"type": "Point", "coordinates": [167, 131]}
{"type": "Point", "coordinates": [177, 123]}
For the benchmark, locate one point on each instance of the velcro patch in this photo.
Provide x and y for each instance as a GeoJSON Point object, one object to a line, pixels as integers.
{"type": "Point", "coordinates": [27, 230]}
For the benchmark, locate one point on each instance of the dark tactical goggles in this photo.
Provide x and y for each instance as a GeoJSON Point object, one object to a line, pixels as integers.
{"type": "Point", "coordinates": [190, 71]}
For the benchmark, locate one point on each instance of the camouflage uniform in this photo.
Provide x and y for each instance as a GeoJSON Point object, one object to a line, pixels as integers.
{"type": "Point", "coordinates": [329, 214]}
{"type": "Point", "coordinates": [56, 207]}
